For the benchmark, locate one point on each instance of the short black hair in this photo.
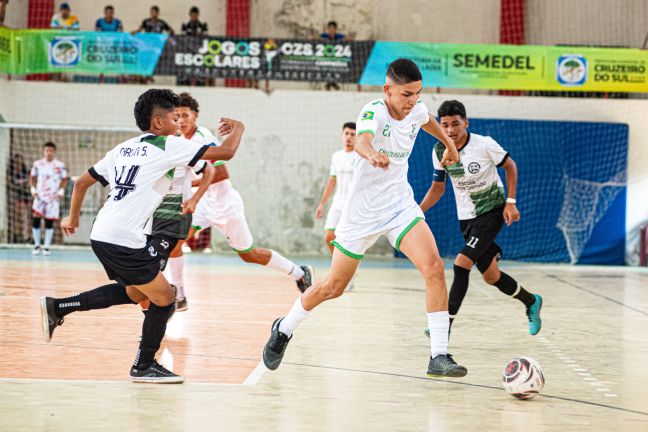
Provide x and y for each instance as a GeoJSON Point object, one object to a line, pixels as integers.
{"type": "Point", "coordinates": [350, 125]}
{"type": "Point", "coordinates": [186, 100]}
{"type": "Point", "coordinates": [155, 8]}
{"type": "Point", "coordinates": [404, 71]}
{"type": "Point", "coordinates": [150, 100]}
{"type": "Point", "coordinates": [452, 108]}
{"type": "Point", "coordinates": [109, 7]}
{"type": "Point", "coordinates": [194, 9]}
{"type": "Point", "coordinates": [332, 23]}
{"type": "Point", "coordinates": [49, 144]}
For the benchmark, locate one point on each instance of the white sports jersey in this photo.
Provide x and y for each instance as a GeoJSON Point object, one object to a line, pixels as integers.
{"type": "Point", "coordinates": [377, 194]}
{"type": "Point", "coordinates": [139, 172]}
{"type": "Point", "coordinates": [477, 185]}
{"type": "Point", "coordinates": [342, 164]}
{"type": "Point", "coordinates": [49, 176]}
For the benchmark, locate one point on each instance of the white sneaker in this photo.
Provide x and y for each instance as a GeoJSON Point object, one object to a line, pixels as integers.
{"type": "Point", "coordinates": [46, 252]}
{"type": "Point", "coordinates": [207, 250]}
{"type": "Point", "coordinates": [36, 250]}
{"type": "Point", "coordinates": [185, 248]}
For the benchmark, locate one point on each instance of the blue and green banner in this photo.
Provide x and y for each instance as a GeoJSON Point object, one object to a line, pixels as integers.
{"type": "Point", "coordinates": [47, 51]}
{"type": "Point", "coordinates": [515, 67]}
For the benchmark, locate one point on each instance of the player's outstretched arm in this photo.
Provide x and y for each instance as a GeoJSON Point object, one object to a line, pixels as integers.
{"type": "Point", "coordinates": [189, 206]}
{"type": "Point", "coordinates": [328, 191]}
{"type": "Point", "coordinates": [433, 195]}
{"type": "Point", "coordinates": [511, 212]}
{"type": "Point", "coordinates": [83, 183]}
{"type": "Point", "coordinates": [364, 148]}
{"type": "Point", "coordinates": [231, 143]}
{"type": "Point", "coordinates": [451, 155]}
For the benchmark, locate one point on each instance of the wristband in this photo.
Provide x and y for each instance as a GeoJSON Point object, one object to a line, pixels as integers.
{"type": "Point", "coordinates": [510, 201]}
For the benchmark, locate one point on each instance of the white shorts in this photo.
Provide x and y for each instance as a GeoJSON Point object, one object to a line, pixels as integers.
{"type": "Point", "coordinates": [231, 222]}
{"type": "Point", "coordinates": [353, 239]}
{"type": "Point", "coordinates": [332, 218]}
{"type": "Point", "coordinates": [48, 209]}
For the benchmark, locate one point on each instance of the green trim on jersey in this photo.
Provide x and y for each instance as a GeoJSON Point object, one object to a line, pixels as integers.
{"type": "Point", "coordinates": [241, 251]}
{"type": "Point", "coordinates": [196, 227]}
{"type": "Point", "coordinates": [373, 133]}
{"type": "Point", "coordinates": [198, 132]}
{"type": "Point", "coordinates": [169, 174]}
{"type": "Point", "coordinates": [329, 229]}
{"type": "Point", "coordinates": [456, 170]}
{"type": "Point", "coordinates": [346, 252]}
{"type": "Point", "coordinates": [378, 102]}
{"type": "Point", "coordinates": [158, 141]}
{"type": "Point", "coordinates": [405, 231]}
{"type": "Point", "coordinates": [487, 199]}
{"type": "Point", "coordinates": [169, 208]}
{"type": "Point", "coordinates": [218, 163]}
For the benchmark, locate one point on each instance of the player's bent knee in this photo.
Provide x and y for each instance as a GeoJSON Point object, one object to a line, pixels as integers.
{"type": "Point", "coordinates": [491, 277]}
{"type": "Point", "coordinates": [249, 257]}
{"type": "Point", "coordinates": [433, 269]}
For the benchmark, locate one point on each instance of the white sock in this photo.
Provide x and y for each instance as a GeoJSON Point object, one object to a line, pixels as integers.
{"type": "Point", "coordinates": [176, 274]}
{"type": "Point", "coordinates": [36, 235]}
{"type": "Point", "coordinates": [438, 323]}
{"type": "Point", "coordinates": [49, 234]}
{"type": "Point", "coordinates": [283, 265]}
{"type": "Point", "coordinates": [291, 321]}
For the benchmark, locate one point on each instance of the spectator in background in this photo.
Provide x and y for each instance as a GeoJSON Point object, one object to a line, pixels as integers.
{"type": "Point", "coordinates": [194, 27]}
{"type": "Point", "coordinates": [332, 33]}
{"type": "Point", "coordinates": [19, 198]}
{"type": "Point", "coordinates": [64, 20]}
{"type": "Point", "coordinates": [109, 23]}
{"type": "Point", "coordinates": [3, 9]}
{"type": "Point", "coordinates": [154, 24]}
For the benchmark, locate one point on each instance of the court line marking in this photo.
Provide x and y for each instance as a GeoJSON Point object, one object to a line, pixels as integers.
{"type": "Point", "coordinates": [256, 374]}
{"type": "Point", "coordinates": [63, 381]}
{"type": "Point", "coordinates": [610, 299]}
{"type": "Point", "coordinates": [468, 384]}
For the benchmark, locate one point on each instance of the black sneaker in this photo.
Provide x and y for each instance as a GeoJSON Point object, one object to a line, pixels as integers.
{"type": "Point", "coordinates": [274, 350]}
{"type": "Point", "coordinates": [444, 365]}
{"type": "Point", "coordinates": [307, 280]}
{"type": "Point", "coordinates": [49, 318]}
{"type": "Point", "coordinates": [181, 304]}
{"type": "Point", "coordinates": [155, 374]}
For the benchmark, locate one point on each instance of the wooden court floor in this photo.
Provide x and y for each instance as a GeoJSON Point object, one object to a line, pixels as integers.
{"type": "Point", "coordinates": [358, 363]}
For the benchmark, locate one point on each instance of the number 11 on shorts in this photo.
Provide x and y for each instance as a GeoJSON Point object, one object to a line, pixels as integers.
{"type": "Point", "coordinates": [472, 242]}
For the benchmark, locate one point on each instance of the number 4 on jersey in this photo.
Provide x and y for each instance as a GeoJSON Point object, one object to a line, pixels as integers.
{"type": "Point", "coordinates": [124, 184]}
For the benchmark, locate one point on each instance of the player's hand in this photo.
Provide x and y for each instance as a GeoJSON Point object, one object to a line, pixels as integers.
{"type": "Point", "coordinates": [379, 160]}
{"type": "Point", "coordinates": [511, 214]}
{"type": "Point", "coordinates": [320, 211]}
{"type": "Point", "coordinates": [69, 225]}
{"type": "Point", "coordinates": [227, 125]}
{"type": "Point", "coordinates": [189, 206]}
{"type": "Point", "coordinates": [450, 157]}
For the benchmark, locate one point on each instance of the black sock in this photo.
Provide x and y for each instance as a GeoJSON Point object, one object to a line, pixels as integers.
{"type": "Point", "coordinates": [508, 286]}
{"type": "Point", "coordinates": [153, 329]}
{"type": "Point", "coordinates": [458, 290]}
{"type": "Point", "coordinates": [98, 298]}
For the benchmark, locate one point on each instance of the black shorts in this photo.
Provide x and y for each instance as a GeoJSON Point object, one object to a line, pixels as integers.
{"type": "Point", "coordinates": [165, 244]}
{"type": "Point", "coordinates": [129, 266]}
{"type": "Point", "coordinates": [480, 234]}
{"type": "Point", "coordinates": [172, 228]}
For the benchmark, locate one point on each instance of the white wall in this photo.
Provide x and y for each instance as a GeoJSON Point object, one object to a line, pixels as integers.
{"type": "Point", "coordinates": [290, 135]}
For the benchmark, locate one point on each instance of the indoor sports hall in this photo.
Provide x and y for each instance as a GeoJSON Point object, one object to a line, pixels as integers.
{"type": "Point", "coordinates": [557, 90]}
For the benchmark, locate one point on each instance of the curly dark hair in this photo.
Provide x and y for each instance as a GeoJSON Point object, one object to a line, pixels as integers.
{"type": "Point", "coordinates": [186, 100]}
{"type": "Point", "coordinates": [149, 101]}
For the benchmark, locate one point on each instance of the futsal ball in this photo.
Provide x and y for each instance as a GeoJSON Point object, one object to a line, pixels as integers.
{"type": "Point", "coordinates": [523, 378]}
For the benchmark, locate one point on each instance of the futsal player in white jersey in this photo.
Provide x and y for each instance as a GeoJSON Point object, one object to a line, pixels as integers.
{"type": "Point", "coordinates": [482, 208]}
{"type": "Point", "coordinates": [138, 173]}
{"type": "Point", "coordinates": [48, 179]}
{"type": "Point", "coordinates": [222, 208]}
{"type": "Point", "coordinates": [339, 182]}
{"type": "Point", "coordinates": [381, 202]}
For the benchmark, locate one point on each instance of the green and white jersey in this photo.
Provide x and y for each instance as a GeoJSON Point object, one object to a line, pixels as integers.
{"type": "Point", "coordinates": [477, 185]}
{"type": "Point", "coordinates": [375, 193]}
{"type": "Point", "coordinates": [342, 164]}
{"type": "Point", "coordinates": [139, 172]}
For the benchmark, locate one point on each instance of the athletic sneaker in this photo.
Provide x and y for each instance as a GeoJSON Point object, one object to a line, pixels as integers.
{"type": "Point", "coordinates": [36, 250]}
{"type": "Point", "coordinates": [274, 350]}
{"type": "Point", "coordinates": [155, 374]}
{"type": "Point", "coordinates": [49, 319]}
{"type": "Point", "coordinates": [46, 252]}
{"type": "Point", "coordinates": [533, 312]}
{"type": "Point", "coordinates": [444, 365]}
{"type": "Point", "coordinates": [181, 304]}
{"type": "Point", "coordinates": [307, 280]}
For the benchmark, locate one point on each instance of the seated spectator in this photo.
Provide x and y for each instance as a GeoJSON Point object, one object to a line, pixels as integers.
{"type": "Point", "coordinates": [109, 23]}
{"type": "Point", "coordinates": [3, 10]}
{"type": "Point", "coordinates": [64, 20]}
{"type": "Point", "coordinates": [194, 27]}
{"type": "Point", "coordinates": [154, 24]}
{"type": "Point", "coordinates": [332, 33]}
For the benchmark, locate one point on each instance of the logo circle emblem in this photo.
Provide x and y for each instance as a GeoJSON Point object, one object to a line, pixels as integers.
{"type": "Point", "coordinates": [473, 167]}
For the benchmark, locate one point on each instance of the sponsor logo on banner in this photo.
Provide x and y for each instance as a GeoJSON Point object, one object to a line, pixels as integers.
{"type": "Point", "coordinates": [571, 70]}
{"type": "Point", "coordinates": [65, 51]}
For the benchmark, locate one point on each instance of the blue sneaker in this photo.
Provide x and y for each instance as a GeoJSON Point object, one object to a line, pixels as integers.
{"type": "Point", "coordinates": [533, 312]}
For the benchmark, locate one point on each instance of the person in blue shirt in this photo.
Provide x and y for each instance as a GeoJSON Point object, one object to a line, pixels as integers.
{"type": "Point", "coordinates": [332, 33]}
{"type": "Point", "coordinates": [109, 23]}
